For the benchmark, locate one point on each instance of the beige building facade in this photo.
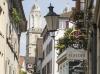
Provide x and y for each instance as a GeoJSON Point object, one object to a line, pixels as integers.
{"type": "Point", "coordinates": [10, 32]}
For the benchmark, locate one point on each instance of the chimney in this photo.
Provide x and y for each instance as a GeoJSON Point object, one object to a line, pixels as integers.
{"type": "Point", "coordinates": [78, 5]}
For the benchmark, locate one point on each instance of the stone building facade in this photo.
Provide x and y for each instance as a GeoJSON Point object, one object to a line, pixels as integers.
{"type": "Point", "coordinates": [34, 31]}
{"type": "Point", "coordinates": [97, 20]}
{"type": "Point", "coordinates": [94, 35]}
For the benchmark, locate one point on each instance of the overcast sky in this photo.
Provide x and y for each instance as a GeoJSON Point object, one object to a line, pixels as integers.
{"type": "Point", "coordinates": [59, 6]}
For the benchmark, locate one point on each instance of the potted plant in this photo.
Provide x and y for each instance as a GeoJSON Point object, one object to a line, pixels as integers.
{"type": "Point", "coordinates": [16, 16]}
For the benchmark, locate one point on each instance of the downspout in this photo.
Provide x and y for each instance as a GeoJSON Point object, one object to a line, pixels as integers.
{"type": "Point", "coordinates": [94, 49]}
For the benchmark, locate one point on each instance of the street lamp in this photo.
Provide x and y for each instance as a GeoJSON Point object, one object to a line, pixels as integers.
{"type": "Point", "coordinates": [52, 25]}
{"type": "Point", "coordinates": [52, 19]}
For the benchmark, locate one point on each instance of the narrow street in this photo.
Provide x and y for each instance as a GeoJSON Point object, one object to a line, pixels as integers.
{"type": "Point", "coordinates": [50, 36]}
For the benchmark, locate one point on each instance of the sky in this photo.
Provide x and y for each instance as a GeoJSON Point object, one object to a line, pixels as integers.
{"type": "Point", "coordinates": [59, 6]}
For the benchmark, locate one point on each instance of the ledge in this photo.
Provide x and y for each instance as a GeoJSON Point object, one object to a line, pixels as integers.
{"type": "Point", "coordinates": [11, 47]}
{"type": "Point", "coordinates": [73, 54]}
{"type": "Point", "coordinates": [1, 34]}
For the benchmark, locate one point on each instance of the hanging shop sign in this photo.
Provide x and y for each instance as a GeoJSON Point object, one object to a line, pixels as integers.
{"type": "Point", "coordinates": [78, 39]}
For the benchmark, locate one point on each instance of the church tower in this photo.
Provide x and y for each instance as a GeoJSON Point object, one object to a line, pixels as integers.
{"type": "Point", "coordinates": [34, 17]}
{"type": "Point", "coordinates": [33, 32]}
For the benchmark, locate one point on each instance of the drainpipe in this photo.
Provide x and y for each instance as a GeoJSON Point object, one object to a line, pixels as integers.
{"type": "Point", "coordinates": [94, 49]}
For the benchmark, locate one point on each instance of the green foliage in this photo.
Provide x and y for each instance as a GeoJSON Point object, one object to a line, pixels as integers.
{"type": "Point", "coordinates": [22, 72]}
{"type": "Point", "coordinates": [68, 40]}
{"type": "Point", "coordinates": [80, 15]}
{"type": "Point", "coordinates": [60, 45]}
{"type": "Point", "coordinates": [77, 15]}
{"type": "Point", "coordinates": [64, 41]}
{"type": "Point", "coordinates": [16, 16]}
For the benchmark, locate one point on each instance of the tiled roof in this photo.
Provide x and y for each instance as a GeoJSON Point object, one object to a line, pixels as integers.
{"type": "Point", "coordinates": [21, 60]}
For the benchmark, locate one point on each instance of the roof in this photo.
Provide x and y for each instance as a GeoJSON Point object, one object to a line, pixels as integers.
{"type": "Point", "coordinates": [45, 30]}
{"type": "Point", "coordinates": [66, 14]}
{"type": "Point", "coordinates": [35, 7]}
{"type": "Point", "coordinates": [21, 60]}
{"type": "Point", "coordinates": [23, 23]}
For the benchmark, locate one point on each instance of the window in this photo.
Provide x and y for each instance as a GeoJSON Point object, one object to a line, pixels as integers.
{"type": "Point", "coordinates": [45, 37]}
{"type": "Point", "coordinates": [44, 70]}
{"type": "Point", "coordinates": [60, 70]}
{"type": "Point", "coordinates": [49, 67]}
{"type": "Point", "coordinates": [6, 66]}
{"type": "Point", "coordinates": [63, 24]}
{"type": "Point", "coordinates": [67, 24]}
{"type": "Point", "coordinates": [0, 9]}
{"type": "Point", "coordinates": [9, 35]}
{"type": "Point", "coordinates": [9, 69]}
{"type": "Point", "coordinates": [13, 72]}
{"type": "Point", "coordinates": [60, 24]}
{"type": "Point", "coordinates": [9, 30]}
{"type": "Point", "coordinates": [94, 4]}
{"type": "Point", "coordinates": [49, 48]}
{"type": "Point", "coordinates": [43, 55]}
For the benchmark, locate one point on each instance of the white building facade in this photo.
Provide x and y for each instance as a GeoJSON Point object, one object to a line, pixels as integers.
{"type": "Point", "coordinates": [73, 59]}
{"type": "Point", "coordinates": [50, 53]}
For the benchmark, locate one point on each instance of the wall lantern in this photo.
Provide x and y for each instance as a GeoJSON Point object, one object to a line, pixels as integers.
{"type": "Point", "coordinates": [52, 19]}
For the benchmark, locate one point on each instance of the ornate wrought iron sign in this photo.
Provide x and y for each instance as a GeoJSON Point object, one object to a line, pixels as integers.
{"type": "Point", "coordinates": [78, 39]}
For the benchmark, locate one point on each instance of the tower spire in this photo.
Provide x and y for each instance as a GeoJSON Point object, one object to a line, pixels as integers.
{"type": "Point", "coordinates": [35, 15]}
{"type": "Point", "coordinates": [36, 1]}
